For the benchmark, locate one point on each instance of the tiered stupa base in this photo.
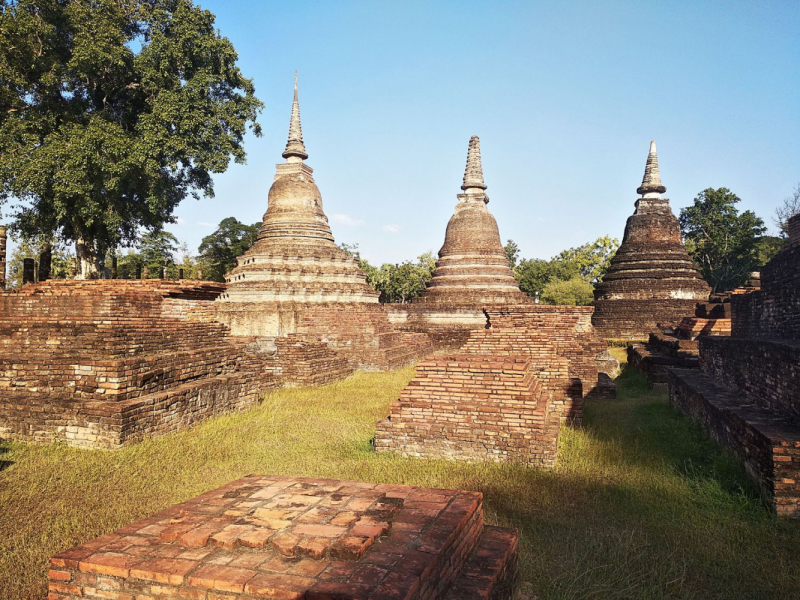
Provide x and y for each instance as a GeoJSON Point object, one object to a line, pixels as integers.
{"type": "Point", "coordinates": [651, 279]}
{"type": "Point", "coordinates": [103, 363]}
{"type": "Point", "coordinates": [285, 537]}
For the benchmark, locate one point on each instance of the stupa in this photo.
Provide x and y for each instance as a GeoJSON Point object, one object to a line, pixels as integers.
{"type": "Point", "coordinates": [296, 280]}
{"type": "Point", "coordinates": [295, 260]}
{"type": "Point", "coordinates": [651, 279]}
{"type": "Point", "coordinates": [472, 268]}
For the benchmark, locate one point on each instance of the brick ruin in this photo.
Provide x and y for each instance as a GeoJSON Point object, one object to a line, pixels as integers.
{"type": "Point", "coordinates": [504, 394]}
{"type": "Point", "coordinates": [472, 271]}
{"type": "Point", "coordinates": [102, 363]}
{"type": "Point", "coordinates": [284, 537]}
{"type": "Point", "coordinates": [651, 279]}
{"type": "Point", "coordinates": [677, 347]}
{"type": "Point", "coordinates": [296, 280]}
{"type": "Point", "coordinates": [746, 394]}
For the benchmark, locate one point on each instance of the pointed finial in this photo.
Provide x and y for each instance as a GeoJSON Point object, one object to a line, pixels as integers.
{"type": "Point", "coordinates": [295, 147]}
{"type": "Point", "coordinates": [651, 182]}
{"type": "Point", "coordinates": [473, 174]}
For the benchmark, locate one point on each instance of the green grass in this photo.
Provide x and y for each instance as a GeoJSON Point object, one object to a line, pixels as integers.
{"type": "Point", "coordinates": [640, 505]}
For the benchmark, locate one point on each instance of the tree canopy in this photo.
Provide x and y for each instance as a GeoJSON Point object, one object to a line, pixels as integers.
{"type": "Point", "coordinates": [723, 242]}
{"type": "Point", "coordinates": [111, 113]}
{"type": "Point", "coordinates": [218, 251]}
{"type": "Point", "coordinates": [568, 277]}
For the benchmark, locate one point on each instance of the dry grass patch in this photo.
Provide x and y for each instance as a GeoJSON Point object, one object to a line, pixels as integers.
{"type": "Point", "coordinates": [640, 506]}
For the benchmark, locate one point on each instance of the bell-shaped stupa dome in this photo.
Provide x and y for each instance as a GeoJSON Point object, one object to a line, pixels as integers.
{"type": "Point", "coordinates": [472, 266]}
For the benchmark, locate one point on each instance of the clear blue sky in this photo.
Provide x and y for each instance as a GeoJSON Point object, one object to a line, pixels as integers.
{"type": "Point", "coordinates": [564, 96]}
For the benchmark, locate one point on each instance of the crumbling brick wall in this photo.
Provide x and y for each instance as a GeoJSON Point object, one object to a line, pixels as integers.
{"type": "Point", "coordinates": [746, 393]}
{"type": "Point", "coordinates": [363, 335]}
{"type": "Point", "coordinates": [473, 407]}
{"type": "Point", "coordinates": [571, 332]}
{"type": "Point", "coordinates": [103, 363]}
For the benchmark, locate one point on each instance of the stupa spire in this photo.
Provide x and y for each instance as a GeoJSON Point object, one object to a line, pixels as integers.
{"type": "Point", "coordinates": [473, 174]}
{"type": "Point", "coordinates": [651, 182]}
{"type": "Point", "coordinates": [294, 146]}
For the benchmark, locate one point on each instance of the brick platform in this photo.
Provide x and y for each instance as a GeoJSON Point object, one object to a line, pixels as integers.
{"type": "Point", "coordinates": [297, 538]}
{"type": "Point", "coordinates": [107, 362]}
{"type": "Point", "coordinates": [472, 407]}
{"type": "Point", "coordinates": [505, 393]}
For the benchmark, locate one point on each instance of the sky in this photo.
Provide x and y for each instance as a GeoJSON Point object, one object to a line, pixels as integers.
{"type": "Point", "coordinates": [565, 97]}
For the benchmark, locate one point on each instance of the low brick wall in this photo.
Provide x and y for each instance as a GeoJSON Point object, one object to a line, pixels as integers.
{"type": "Point", "coordinates": [283, 537]}
{"type": "Point", "coordinates": [103, 363]}
{"type": "Point", "coordinates": [363, 335]}
{"type": "Point", "coordinates": [473, 407]}
{"type": "Point", "coordinates": [774, 311]}
{"type": "Point", "coordinates": [766, 372]}
{"type": "Point", "coordinates": [447, 326]}
{"type": "Point", "coordinates": [569, 329]}
{"type": "Point", "coordinates": [635, 319]}
{"type": "Point", "coordinates": [767, 443]}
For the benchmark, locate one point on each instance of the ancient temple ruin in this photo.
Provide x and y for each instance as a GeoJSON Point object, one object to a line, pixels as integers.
{"type": "Point", "coordinates": [746, 394]}
{"type": "Point", "coordinates": [296, 281]}
{"type": "Point", "coordinates": [651, 279]}
{"type": "Point", "coordinates": [472, 270]}
{"type": "Point", "coordinates": [296, 537]}
{"type": "Point", "coordinates": [294, 262]}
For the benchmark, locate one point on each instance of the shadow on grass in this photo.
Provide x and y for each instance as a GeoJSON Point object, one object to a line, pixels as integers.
{"type": "Point", "coordinates": [4, 449]}
{"type": "Point", "coordinates": [651, 434]}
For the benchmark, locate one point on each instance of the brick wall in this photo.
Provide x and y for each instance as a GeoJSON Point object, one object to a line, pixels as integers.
{"type": "Point", "coordinates": [363, 335]}
{"type": "Point", "coordinates": [766, 372]}
{"type": "Point", "coordinates": [103, 363]}
{"type": "Point", "coordinates": [774, 311]}
{"type": "Point", "coordinates": [473, 407]}
{"type": "Point", "coordinates": [635, 319]}
{"type": "Point", "coordinates": [570, 330]}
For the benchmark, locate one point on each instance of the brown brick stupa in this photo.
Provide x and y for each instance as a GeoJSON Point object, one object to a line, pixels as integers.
{"type": "Point", "coordinates": [296, 280]}
{"type": "Point", "coordinates": [295, 260]}
{"type": "Point", "coordinates": [651, 279]}
{"type": "Point", "coordinates": [472, 268]}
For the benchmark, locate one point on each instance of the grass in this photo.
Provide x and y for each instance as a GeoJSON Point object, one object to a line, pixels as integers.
{"type": "Point", "coordinates": [640, 505]}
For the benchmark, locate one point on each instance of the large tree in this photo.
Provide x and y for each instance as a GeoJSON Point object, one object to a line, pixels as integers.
{"type": "Point", "coordinates": [218, 251]}
{"type": "Point", "coordinates": [111, 113]}
{"type": "Point", "coordinates": [723, 242]}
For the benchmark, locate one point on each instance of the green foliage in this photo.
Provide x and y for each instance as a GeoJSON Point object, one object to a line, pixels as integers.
{"type": "Point", "coordinates": [111, 113]}
{"type": "Point", "coordinates": [591, 259]}
{"type": "Point", "coordinates": [768, 246]}
{"type": "Point", "coordinates": [572, 292]}
{"type": "Point", "coordinates": [156, 251]}
{"type": "Point", "coordinates": [589, 262]}
{"type": "Point", "coordinates": [218, 251]}
{"type": "Point", "coordinates": [535, 273]}
{"type": "Point", "coordinates": [723, 243]}
{"type": "Point", "coordinates": [399, 282]}
{"type": "Point", "coordinates": [512, 253]}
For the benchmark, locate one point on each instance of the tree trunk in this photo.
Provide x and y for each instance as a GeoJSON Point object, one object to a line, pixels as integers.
{"type": "Point", "coordinates": [87, 260]}
{"type": "Point", "coordinates": [45, 261]}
